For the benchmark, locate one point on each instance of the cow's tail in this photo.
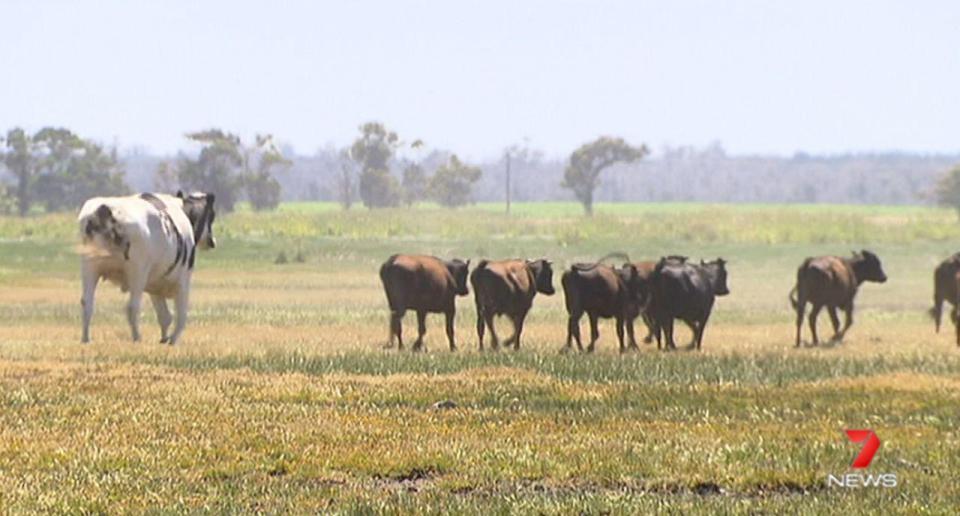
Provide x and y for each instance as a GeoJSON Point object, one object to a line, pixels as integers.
{"type": "Point", "coordinates": [385, 279]}
{"type": "Point", "coordinates": [104, 224]}
{"type": "Point", "coordinates": [590, 266]}
{"type": "Point", "coordinates": [792, 296]}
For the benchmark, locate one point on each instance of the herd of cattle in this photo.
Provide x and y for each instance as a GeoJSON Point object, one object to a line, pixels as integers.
{"type": "Point", "coordinates": [660, 292]}
{"type": "Point", "coordinates": [146, 243]}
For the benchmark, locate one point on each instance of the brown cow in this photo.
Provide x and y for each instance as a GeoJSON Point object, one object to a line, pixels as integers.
{"type": "Point", "coordinates": [425, 284]}
{"type": "Point", "coordinates": [600, 291]}
{"type": "Point", "coordinates": [945, 279]}
{"type": "Point", "coordinates": [634, 310]}
{"type": "Point", "coordinates": [508, 287]}
{"type": "Point", "coordinates": [832, 281]}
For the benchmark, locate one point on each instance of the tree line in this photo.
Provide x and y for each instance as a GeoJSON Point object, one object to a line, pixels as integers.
{"type": "Point", "coordinates": [56, 169]}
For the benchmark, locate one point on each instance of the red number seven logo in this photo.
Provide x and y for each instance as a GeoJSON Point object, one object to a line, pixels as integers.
{"type": "Point", "coordinates": [870, 445]}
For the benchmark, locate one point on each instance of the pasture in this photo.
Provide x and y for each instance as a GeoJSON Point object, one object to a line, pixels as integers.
{"type": "Point", "coordinates": [280, 397]}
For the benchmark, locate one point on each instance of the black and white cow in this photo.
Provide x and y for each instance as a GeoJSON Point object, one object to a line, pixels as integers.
{"type": "Point", "coordinates": [144, 243]}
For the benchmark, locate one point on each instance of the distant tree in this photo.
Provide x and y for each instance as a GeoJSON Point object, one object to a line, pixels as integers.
{"type": "Point", "coordinates": [59, 169]}
{"type": "Point", "coordinates": [260, 163]}
{"type": "Point", "coordinates": [414, 183]}
{"type": "Point", "coordinates": [452, 183]}
{"type": "Point", "coordinates": [947, 190]}
{"type": "Point", "coordinates": [20, 160]}
{"type": "Point", "coordinates": [346, 181]}
{"type": "Point", "coordinates": [8, 203]}
{"type": "Point", "coordinates": [73, 169]}
{"type": "Point", "coordinates": [372, 151]}
{"type": "Point", "coordinates": [582, 175]}
{"type": "Point", "coordinates": [217, 168]}
{"type": "Point", "coordinates": [228, 168]}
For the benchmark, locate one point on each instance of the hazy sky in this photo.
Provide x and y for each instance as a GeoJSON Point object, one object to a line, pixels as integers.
{"type": "Point", "coordinates": [758, 76]}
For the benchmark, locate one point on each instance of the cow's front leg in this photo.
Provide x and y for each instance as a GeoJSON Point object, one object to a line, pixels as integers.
{"type": "Point", "coordinates": [89, 278]}
{"type": "Point", "coordinates": [164, 317]}
{"type": "Point", "coordinates": [180, 304]}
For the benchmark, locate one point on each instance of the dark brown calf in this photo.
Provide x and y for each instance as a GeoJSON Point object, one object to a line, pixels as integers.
{"type": "Point", "coordinates": [945, 279]}
{"type": "Point", "coordinates": [832, 282]}
{"type": "Point", "coordinates": [507, 287]}
{"type": "Point", "coordinates": [600, 291]}
{"type": "Point", "coordinates": [424, 284]}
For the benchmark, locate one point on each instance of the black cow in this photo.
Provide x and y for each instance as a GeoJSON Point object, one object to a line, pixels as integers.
{"type": "Point", "coordinates": [685, 291]}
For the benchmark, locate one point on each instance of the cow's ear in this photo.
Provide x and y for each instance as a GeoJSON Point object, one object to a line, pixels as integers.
{"type": "Point", "coordinates": [702, 262]}
{"type": "Point", "coordinates": [180, 194]}
{"type": "Point", "coordinates": [468, 262]}
{"type": "Point", "coordinates": [211, 198]}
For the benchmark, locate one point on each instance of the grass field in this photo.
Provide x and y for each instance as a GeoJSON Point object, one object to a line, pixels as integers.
{"type": "Point", "coordinates": [281, 397]}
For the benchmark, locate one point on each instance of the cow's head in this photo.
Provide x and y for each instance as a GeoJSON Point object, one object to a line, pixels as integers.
{"type": "Point", "coordinates": [717, 270]}
{"type": "Point", "coordinates": [542, 275]}
{"type": "Point", "coordinates": [867, 267]}
{"type": "Point", "coordinates": [458, 269]}
{"type": "Point", "coordinates": [199, 209]}
{"type": "Point", "coordinates": [630, 277]}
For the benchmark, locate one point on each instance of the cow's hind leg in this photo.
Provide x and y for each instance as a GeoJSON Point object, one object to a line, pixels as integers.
{"type": "Point", "coordinates": [137, 282]}
{"type": "Point", "coordinates": [396, 328]}
{"type": "Point", "coordinates": [481, 327]}
{"type": "Point", "coordinates": [517, 330]}
{"type": "Point", "coordinates": [573, 330]}
{"type": "Point", "coordinates": [813, 323]}
{"type": "Point", "coordinates": [421, 330]}
{"type": "Point", "coordinates": [801, 308]}
{"type": "Point", "coordinates": [668, 334]}
{"type": "Point", "coordinates": [594, 332]}
{"type": "Point", "coordinates": [89, 278]}
{"type": "Point", "coordinates": [164, 317]}
{"type": "Point", "coordinates": [450, 315]}
{"type": "Point", "coordinates": [488, 317]}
